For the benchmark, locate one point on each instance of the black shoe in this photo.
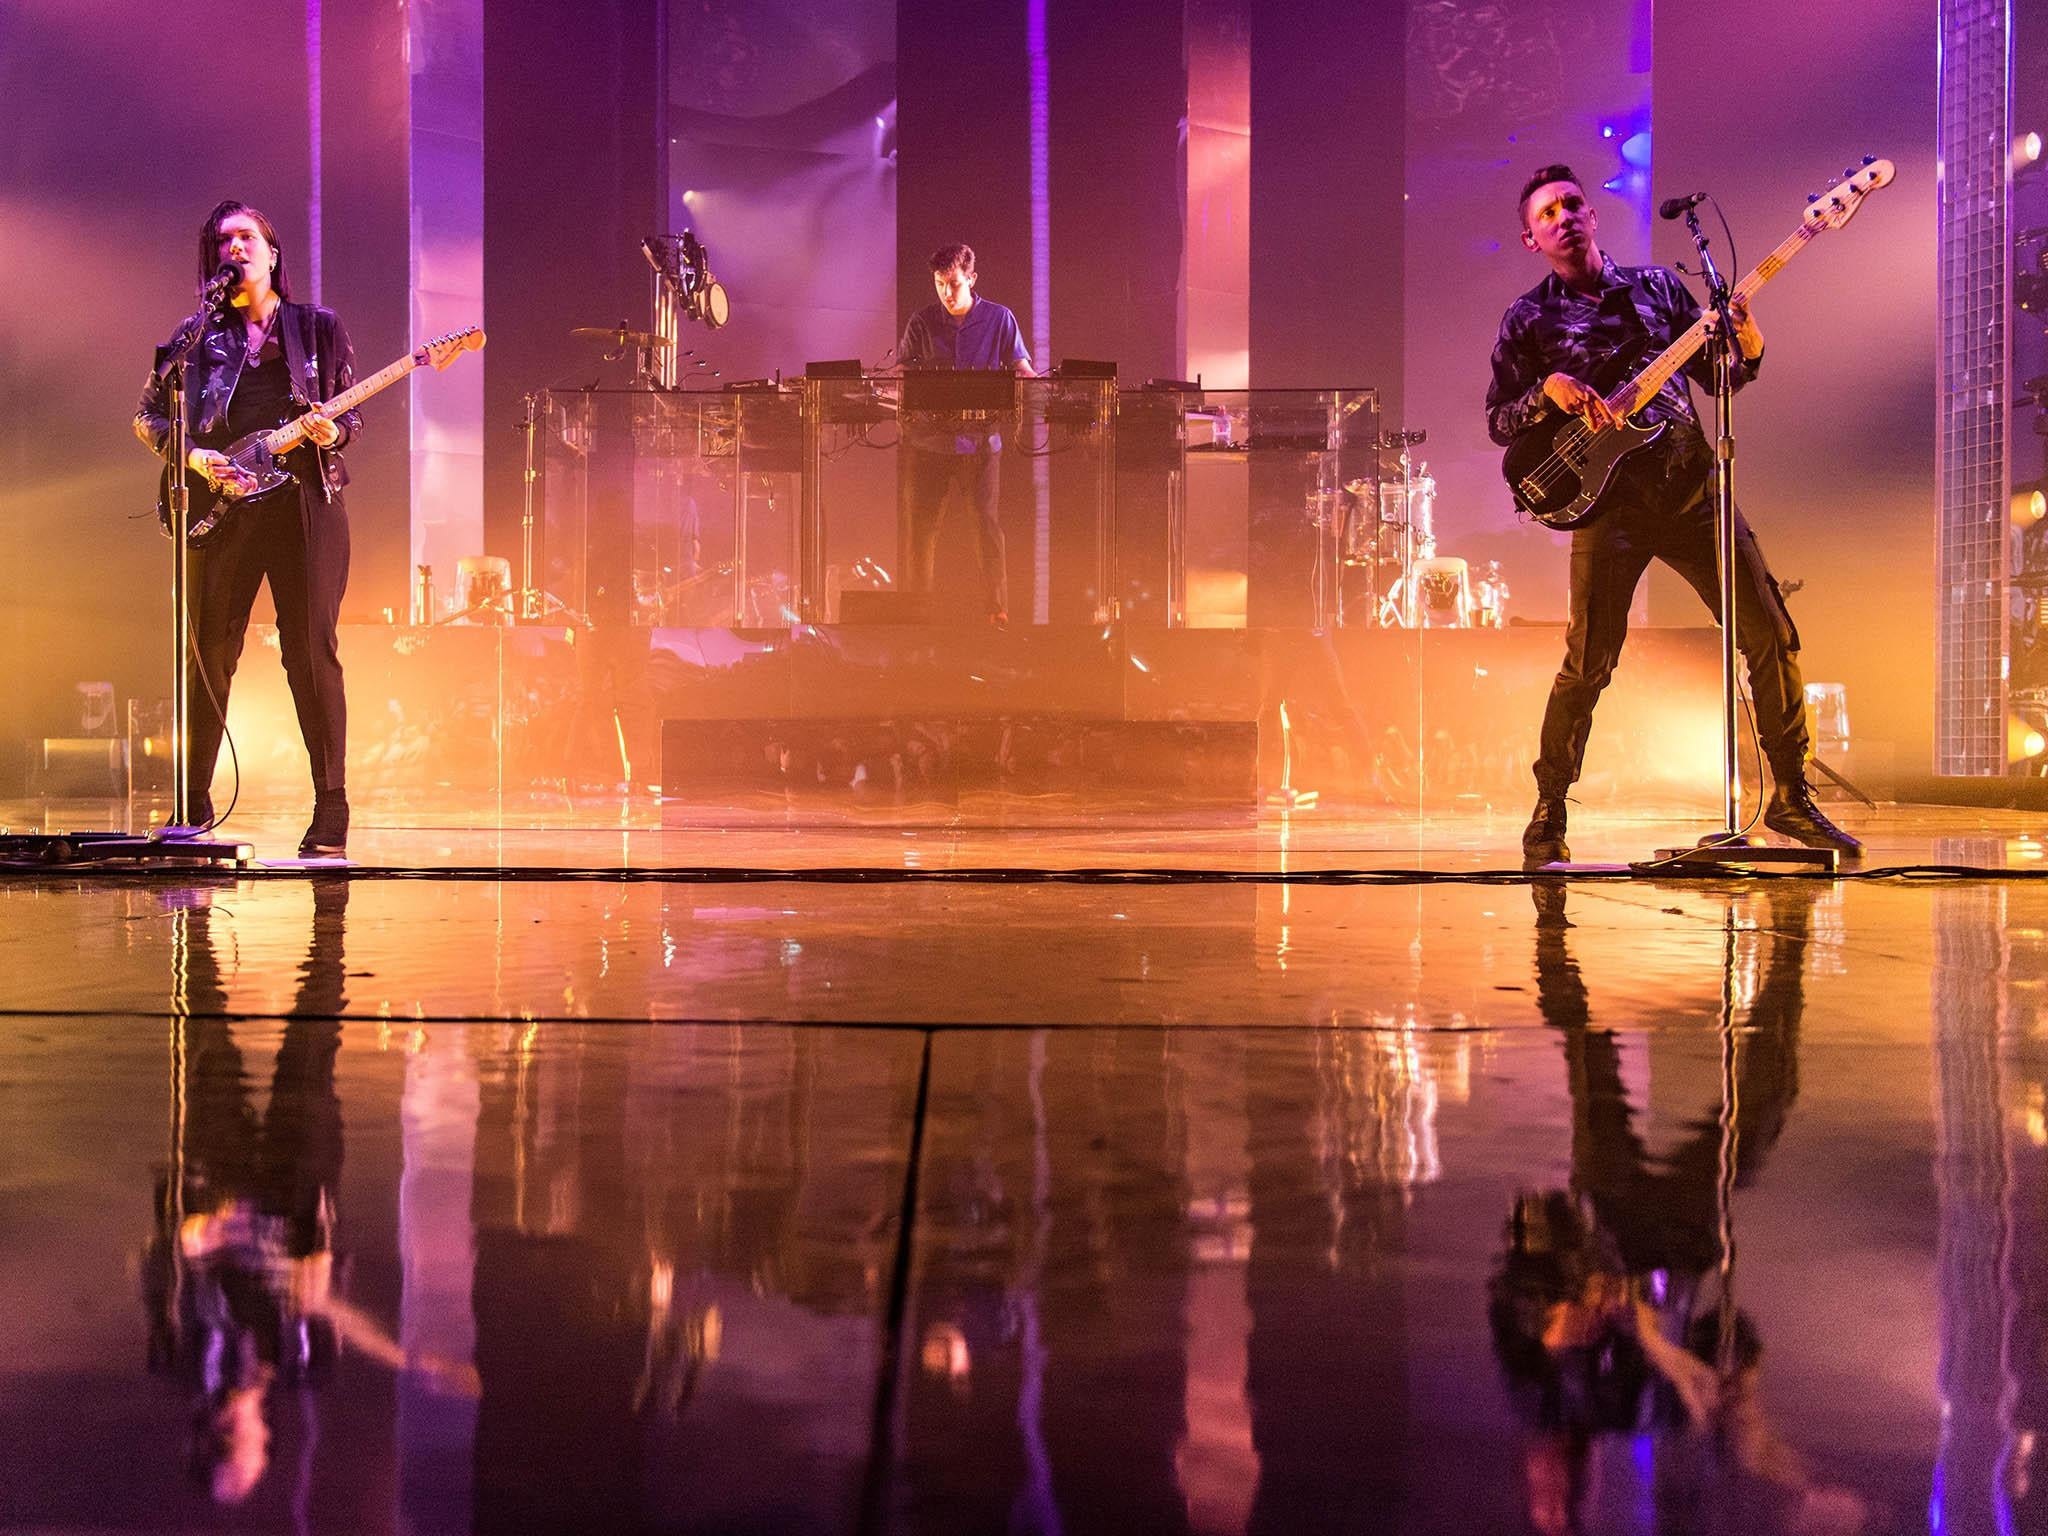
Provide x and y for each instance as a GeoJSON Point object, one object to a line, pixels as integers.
{"type": "Point", "coordinates": [1543, 839]}
{"type": "Point", "coordinates": [327, 837]}
{"type": "Point", "coordinates": [1793, 813]}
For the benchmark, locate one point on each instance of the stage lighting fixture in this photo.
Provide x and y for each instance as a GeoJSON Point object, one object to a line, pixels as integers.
{"type": "Point", "coordinates": [2029, 504]}
{"type": "Point", "coordinates": [2026, 736]}
{"type": "Point", "coordinates": [2026, 152]}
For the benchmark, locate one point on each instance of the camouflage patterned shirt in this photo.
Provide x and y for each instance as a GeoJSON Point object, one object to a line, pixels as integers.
{"type": "Point", "coordinates": [1553, 328]}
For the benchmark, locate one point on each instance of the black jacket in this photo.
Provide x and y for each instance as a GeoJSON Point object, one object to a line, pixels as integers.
{"type": "Point", "coordinates": [316, 350]}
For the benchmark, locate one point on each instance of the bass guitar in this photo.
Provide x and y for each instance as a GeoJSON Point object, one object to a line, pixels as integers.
{"type": "Point", "coordinates": [1560, 469]}
{"type": "Point", "coordinates": [258, 456]}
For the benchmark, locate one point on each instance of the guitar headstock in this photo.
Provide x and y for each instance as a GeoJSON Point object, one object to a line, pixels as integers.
{"type": "Point", "coordinates": [443, 350]}
{"type": "Point", "coordinates": [1837, 206]}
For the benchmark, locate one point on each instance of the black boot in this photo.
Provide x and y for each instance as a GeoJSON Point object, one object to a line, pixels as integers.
{"type": "Point", "coordinates": [1793, 813]}
{"type": "Point", "coordinates": [1543, 839]}
{"type": "Point", "coordinates": [327, 836]}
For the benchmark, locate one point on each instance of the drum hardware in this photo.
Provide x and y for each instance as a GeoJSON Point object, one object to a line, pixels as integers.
{"type": "Point", "coordinates": [1440, 593]}
{"type": "Point", "coordinates": [483, 587]}
{"type": "Point", "coordinates": [1390, 528]}
{"type": "Point", "coordinates": [1490, 598]}
{"type": "Point", "coordinates": [1413, 539]}
{"type": "Point", "coordinates": [684, 289]}
{"type": "Point", "coordinates": [652, 366]}
{"type": "Point", "coordinates": [621, 337]}
{"type": "Point", "coordinates": [1389, 536]}
{"type": "Point", "coordinates": [532, 603]}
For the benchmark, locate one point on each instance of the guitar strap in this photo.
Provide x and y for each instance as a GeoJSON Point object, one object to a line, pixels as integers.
{"type": "Point", "coordinates": [304, 369]}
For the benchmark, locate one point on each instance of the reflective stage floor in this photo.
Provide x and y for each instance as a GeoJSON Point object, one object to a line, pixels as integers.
{"type": "Point", "coordinates": [532, 1199]}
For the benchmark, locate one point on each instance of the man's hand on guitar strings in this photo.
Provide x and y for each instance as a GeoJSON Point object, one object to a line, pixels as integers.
{"type": "Point", "coordinates": [1580, 399]}
{"type": "Point", "coordinates": [322, 432]}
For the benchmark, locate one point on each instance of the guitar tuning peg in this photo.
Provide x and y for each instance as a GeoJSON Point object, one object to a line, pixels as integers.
{"type": "Point", "coordinates": [1870, 159]}
{"type": "Point", "coordinates": [1813, 197]}
{"type": "Point", "coordinates": [1848, 171]}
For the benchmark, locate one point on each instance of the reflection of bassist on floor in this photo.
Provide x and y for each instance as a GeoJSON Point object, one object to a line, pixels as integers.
{"type": "Point", "coordinates": [1606, 1310]}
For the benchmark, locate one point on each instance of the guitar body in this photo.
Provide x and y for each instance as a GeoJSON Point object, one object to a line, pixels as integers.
{"type": "Point", "coordinates": [1565, 491]}
{"type": "Point", "coordinates": [1562, 487]}
{"type": "Point", "coordinates": [210, 506]}
{"type": "Point", "coordinates": [260, 456]}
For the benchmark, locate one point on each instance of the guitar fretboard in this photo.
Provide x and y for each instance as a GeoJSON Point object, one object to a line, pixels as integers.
{"type": "Point", "coordinates": [1642, 389]}
{"type": "Point", "coordinates": [289, 437]}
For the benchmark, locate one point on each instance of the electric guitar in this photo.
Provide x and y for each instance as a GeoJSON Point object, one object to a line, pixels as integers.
{"type": "Point", "coordinates": [1559, 469]}
{"type": "Point", "coordinates": [258, 455]}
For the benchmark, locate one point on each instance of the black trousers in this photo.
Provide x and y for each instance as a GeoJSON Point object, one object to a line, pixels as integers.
{"type": "Point", "coordinates": [1665, 511]}
{"type": "Point", "coordinates": [938, 479]}
{"type": "Point", "coordinates": [299, 543]}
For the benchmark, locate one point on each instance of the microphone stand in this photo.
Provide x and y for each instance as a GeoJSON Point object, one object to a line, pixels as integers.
{"type": "Point", "coordinates": [1730, 845]}
{"type": "Point", "coordinates": [178, 840]}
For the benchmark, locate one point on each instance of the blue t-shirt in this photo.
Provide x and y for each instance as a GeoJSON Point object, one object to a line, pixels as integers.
{"type": "Point", "coordinates": [987, 336]}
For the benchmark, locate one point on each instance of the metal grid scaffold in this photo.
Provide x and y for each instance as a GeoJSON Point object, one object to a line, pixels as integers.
{"type": "Point", "coordinates": [1971, 542]}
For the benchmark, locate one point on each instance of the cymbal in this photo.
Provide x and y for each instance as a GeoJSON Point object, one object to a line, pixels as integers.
{"type": "Point", "coordinates": [620, 336]}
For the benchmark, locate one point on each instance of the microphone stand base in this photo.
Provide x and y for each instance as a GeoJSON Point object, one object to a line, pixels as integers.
{"type": "Point", "coordinates": [166, 846]}
{"type": "Point", "coordinates": [1731, 852]}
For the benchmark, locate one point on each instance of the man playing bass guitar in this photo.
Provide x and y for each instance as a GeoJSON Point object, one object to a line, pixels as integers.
{"type": "Point", "coordinates": [1553, 343]}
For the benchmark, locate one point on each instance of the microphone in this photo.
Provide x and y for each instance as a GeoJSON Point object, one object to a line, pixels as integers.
{"type": "Point", "coordinates": [1673, 207]}
{"type": "Point", "coordinates": [228, 277]}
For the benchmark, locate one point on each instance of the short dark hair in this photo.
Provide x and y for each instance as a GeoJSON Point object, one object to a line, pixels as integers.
{"type": "Point", "coordinates": [947, 257]}
{"type": "Point", "coordinates": [209, 244]}
{"type": "Point", "coordinates": [1543, 178]}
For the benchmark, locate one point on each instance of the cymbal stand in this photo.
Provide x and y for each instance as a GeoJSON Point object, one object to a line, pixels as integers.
{"type": "Point", "coordinates": [1407, 584]}
{"type": "Point", "coordinates": [1395, 608]}
{"type": "Point", "coordinates": [530, 603]}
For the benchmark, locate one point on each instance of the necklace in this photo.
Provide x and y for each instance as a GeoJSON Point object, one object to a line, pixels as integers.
{"type": "Point", "coordinates": [255, 348]}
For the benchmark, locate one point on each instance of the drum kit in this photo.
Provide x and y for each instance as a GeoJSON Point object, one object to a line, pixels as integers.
{"type": "Point", "coordinates": [1393, 573]}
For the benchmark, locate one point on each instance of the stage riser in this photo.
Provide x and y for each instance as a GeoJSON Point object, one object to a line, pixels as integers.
{"type": "Point", "coordinates": [471, 722]}
{"type": "Point", "coordinates": [978, 768]}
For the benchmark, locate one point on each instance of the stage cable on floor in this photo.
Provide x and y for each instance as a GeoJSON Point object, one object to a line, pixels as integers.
{"type": "Point", "coordinates": [1654, 871]}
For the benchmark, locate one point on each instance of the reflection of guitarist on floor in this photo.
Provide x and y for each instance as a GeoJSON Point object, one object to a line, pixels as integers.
{"type": "Point", "coordinates": [1591, 313]}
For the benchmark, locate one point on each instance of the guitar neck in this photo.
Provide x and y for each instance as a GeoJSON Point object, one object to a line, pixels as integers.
{"type": "Point", "coordinates": [1642, 389]}
{"type": "Point", "coordinates": [288, 437]}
